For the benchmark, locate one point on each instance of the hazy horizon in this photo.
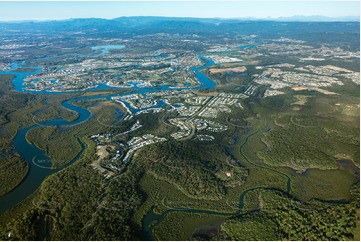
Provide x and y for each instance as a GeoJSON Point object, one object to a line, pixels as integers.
{"type": "Point", "coordinates": [33, 11]}
{"type": "Point", "coordinates": [302, 17]}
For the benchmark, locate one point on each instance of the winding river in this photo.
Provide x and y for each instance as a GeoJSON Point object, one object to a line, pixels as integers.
{"type": "Point", "coordinates": [152, 219]}
{"type": "Point", "coordinates": [40, 164]}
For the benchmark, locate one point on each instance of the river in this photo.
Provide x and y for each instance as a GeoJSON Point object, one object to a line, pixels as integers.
{"type": "Point", "coordinates": [38, 162]}
{"type": "Point", "coordinates": [151, 219]}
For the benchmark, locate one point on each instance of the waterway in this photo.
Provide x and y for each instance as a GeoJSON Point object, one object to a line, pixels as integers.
{"type": "Point", "coordinates": [152, 219]}
{"type": "Point", "coordinates": [106, 48]}
{"type": "Point", "coordinates": [38, 162]}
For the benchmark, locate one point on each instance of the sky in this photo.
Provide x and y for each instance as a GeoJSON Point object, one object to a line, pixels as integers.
{"type": "Point", "coordinates": [51, 10]}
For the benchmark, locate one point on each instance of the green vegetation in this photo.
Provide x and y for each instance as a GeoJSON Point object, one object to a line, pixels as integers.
{"type": "Point", "coordinates": [327, 185]}
{"type": "Point", "coordinates": [55, 141]}
{"type": "Point", "coordinates": [198, 175]}
{"type": "Point", "coordinates": [281, 218]}
{"type": "Point", "coordinates": [254, 226]}
{"type": "Point", "coordinates": [176, 174]}
{"type": "Point", "coordinates": [12, 170]}
{"type": "Point", "coordinates": [52, 215]}
{"type": "Point", "coordinates": [77, 204]}
{"type": "Point", "coordinates": [188, 226]}
{"type": "Point", "coordinates": [304, 142]}
{"type": "Point", "coordinates": [113, 218]}
{"type": "Point", "coordinates": [283, 167]}
{"type": "Point", "coordinates": [63, 213]}
{"type": "Point", "coordinates": [154, 123]}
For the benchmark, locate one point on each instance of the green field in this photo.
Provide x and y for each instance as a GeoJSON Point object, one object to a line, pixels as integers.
{"type": "Point", "coordinates": [272, 152]}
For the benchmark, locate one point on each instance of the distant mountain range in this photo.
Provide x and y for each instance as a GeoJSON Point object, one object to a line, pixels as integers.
{"type": "Point", "coordinates": [296, 18]}
{"type": "Point", "coordinates": [316, 18]}
{"type": "Point", "coordinates": [303, 27]}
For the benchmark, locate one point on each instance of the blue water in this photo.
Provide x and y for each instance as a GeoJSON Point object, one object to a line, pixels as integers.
{"type": "Point", "coordinates": [203, 79]}
{"type": "Point", "coordinates": [246, 47]}
{"type": "Point", "coordinates": [14, 66]}
{"type": "Point", "coordinates": [39, 163]}
{"type": "Point", "coordinates": [119, 115]}
{"type": "Point", "coordinates": [178, 105]}
{"type": "Point", "coordinates": [160, 103]}
{"type": "Point", "coordinates": [104, 51]}
{"type": "Point", "coordinates": [18, 81]}
{"type": "Point", "coordinates": [39, 168]}
{"type": "Point", "coordinates": [106, 48]}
